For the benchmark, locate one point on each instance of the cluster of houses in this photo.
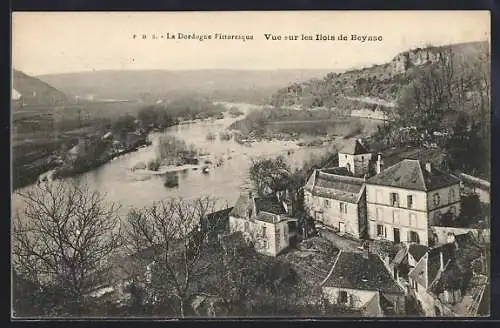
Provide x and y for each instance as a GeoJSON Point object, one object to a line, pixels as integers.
{"type": "Point", "coordinates": [397, 205]}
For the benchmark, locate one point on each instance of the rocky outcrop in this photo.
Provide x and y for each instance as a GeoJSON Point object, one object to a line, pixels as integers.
{"type": "Point", "coordinates": [416, 57]}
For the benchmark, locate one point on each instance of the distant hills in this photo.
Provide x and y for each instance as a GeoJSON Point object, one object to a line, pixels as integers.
{"type": "Point", "coordinates": [132, 84]}
{"type": "Point", "coordinates": [32, 91]}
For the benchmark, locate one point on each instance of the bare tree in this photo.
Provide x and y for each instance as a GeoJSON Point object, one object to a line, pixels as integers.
{"type": "Point", "coordinates": [62, 241]}
{"type": "Point", "coordinates": [269, 174]}
{"type": "Point", "coordinates": [170, 232]}
{"type": "Point", "coordinates": [431, 92]}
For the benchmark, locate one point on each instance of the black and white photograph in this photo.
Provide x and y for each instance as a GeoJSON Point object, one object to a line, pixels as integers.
{"type": "Point", "coordinates": [251, 164]}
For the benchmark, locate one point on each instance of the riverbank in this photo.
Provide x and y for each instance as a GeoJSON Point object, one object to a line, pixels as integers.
{"type": "Point", "coordinates": [72, 171]}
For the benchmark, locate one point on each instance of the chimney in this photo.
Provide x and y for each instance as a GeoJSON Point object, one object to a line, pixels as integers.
{"type": "Point", "coordinates": [428, 167]}
{"type": "Point", "coordinates": [380, 163]}
{"type": "Point", "coordinates": [441, 261]}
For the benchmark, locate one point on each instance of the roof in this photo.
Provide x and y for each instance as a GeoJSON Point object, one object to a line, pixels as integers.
{"type": "Point", "coordinates": [222, 214]}
{"type": "Point", "coordinates": [269, 204]}
{"type": "Point", "coordinates": [418, 273]}
{"type": "Point", "coordinates": [335, 186]}
{"type": "Point", "coordinates": [400, 256]}
{"type": "Point", "coordinates": [352, 270]}
{"type": "Point", "coordinates": [217, 219]}
{"type": "Point", "coordinates": [434, 261]}
{"type": "Point", "coordinates": [417, 251]}
{"type": "Point", "coordinates": [337, 170]}
{"type": "Point", "coordinates": [267, 208]}
{"type": "Point", "coordinates": [464, 249]}
{"type": "Point", "coordinates": [354, 148]}
{"type": "Point", "coordinates": [411, 174]}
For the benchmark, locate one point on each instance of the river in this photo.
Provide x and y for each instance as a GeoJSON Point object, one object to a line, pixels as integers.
{"type": "Point", "coordinates": [225, 182]}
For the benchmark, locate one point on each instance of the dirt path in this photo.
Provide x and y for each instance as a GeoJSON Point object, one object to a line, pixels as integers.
{"type": "Point", "coordinates": [340, 242]}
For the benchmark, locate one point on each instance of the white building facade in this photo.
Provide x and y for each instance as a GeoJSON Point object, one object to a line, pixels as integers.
{"type": "Point", "coordinates": [404, 200]}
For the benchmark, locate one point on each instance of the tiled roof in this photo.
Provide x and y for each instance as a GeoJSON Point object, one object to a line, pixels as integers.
{"type": "Point", "coordinates": [267, 208]}
{"type": "Point", "coordinates": [336, 170]}
{"type": "Point", "coordinates": [434, 261]}
{"type": "Point", "coordinates": [455, 255]}
{"type": "Point", "coordinates": [411, 174]}
{"type": "Point", "coordinates": [418, 273]}
{"type": "Point", "coordinates": [352, 270]}
{"type": "Point", "coordinates": [400, 256]}
{"type": "Point", "coordinates": [417, 251]}
{"type": "Point", "coordinates": [354, 148]}
{"type": "Point", "coordinates": [269, 204]}
{"type": "Point", "coordinates": [335, 186]}
{"type": "Point", "coordinates": [217, 220]}
{"type": "Point", "coordinates": [269, 217]}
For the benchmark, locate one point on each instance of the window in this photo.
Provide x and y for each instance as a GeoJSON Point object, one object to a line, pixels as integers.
{"type": "Point", "coordinates": [451, 195]}
{"type": "Point", "coordinates": [413, 237]}
{"type": "Point", "coordinates": [362, 158]}
{"type": "Point", "coordinates": [437, 217]}
{"type": "Point", "coordinates": [264, 231]}
{"type": "Point", "coordinates": [379, 214]}
{"type": "Point", "coordinates": [412, 220]}
{"type": "Point", "coordinates": [345, 156]}
{"type": "Point", "coordinates": [409, 201]}
{"type": "Point", "coordinates": [394, 199]}
{"type": "Point", "coordinates": [343, 297]}
{"type": "Point", "coordinates": [247, 226]}
{"type": "Point", "coordinates": [264, 244]}
{"type": "Point", "coordinates": [395, 217]}
{"type": "Point", "coordinates": [343, 207]}
{"type": "Point", "coordinates": [378, 196]}
{"type": "Point", "coordinates": [380, 230]}
{"type": "Point", "coordinates": [436, 198]}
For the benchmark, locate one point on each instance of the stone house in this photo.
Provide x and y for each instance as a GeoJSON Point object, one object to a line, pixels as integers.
{"type": "Point", "coordinates": [361, 280]}
{"type": "Point", "coordinates": [264, 220]}
{"type": "Point", "coordinates": [337, 201]}
{"type": "Point", "coordinates": [404, 261]}
{"type": "Point", "coordinates": [405, 199]}
{"type": "Point", "coordinates": [446, 284]}
{"type": "Point", "coordinates": [355, 157]}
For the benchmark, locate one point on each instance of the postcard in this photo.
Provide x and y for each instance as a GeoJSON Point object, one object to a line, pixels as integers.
{"type": "Point", "coordinates": [303, 164]}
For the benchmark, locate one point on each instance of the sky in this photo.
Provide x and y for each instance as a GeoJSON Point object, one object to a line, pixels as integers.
{"type": "Point", "coordinates": [60, 42]}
